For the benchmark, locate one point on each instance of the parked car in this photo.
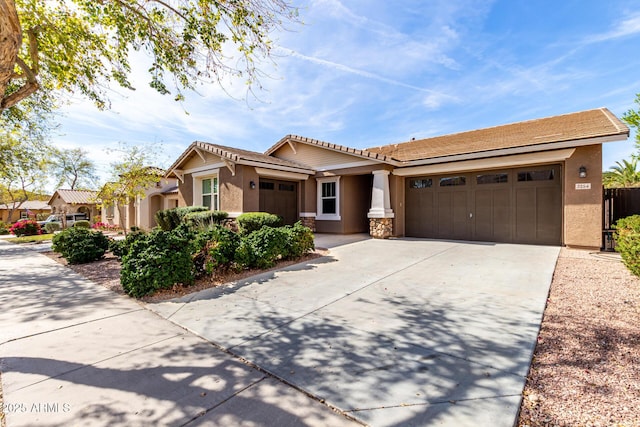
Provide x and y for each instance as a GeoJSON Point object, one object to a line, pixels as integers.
{"type": "Point", "coordinates": [70, 219]}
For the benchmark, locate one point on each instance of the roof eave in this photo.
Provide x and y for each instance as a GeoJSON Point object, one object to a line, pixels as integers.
{"type": "Point", "coordinates": [518, 150]}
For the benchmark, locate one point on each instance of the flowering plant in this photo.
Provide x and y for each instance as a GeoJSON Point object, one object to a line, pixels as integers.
{"type": "Point", "coordinates": [105, 226]}
{"type": "Point", "coordinates": [27, 227]}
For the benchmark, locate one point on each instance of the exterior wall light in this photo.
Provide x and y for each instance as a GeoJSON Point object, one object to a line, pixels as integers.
{"type": "Point", "coordinates": [582, 172]}
{"type": "Point", "coordinates": [252, 184]}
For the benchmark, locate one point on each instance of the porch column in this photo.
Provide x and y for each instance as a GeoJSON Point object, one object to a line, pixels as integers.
{"type": "Point", "coordinates": [380, 215]}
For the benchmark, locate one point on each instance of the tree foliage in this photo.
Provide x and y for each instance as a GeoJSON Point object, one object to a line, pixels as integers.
{"type": "Point", "coordinates": [632, 118]}
{"type": "Point", "coordinates": [84, 45]}
{"type": "Point", "coordinates": [131, 176]}
{"type": "Point", "coordinates": [73, 169]}
{"type": "Point", "coordinates": [624, 174]}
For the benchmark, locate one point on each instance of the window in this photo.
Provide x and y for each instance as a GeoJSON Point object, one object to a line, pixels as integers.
{"type": "Point", "coordinates": [494, 178]}
{"type": "Point", "coordinates": [421, 183]}
{"type": "Point", "coordinates": [453, 181]}
{"type": "Point", "coordinates": [329, 199]}
{"type": "Point", "coordinates": [286, 187]}
{"type": "Point", "coordinates": [24, 215]}
{"type": "Point", "coordinates": [210, 193]}
{"type": "Point", "coordinates": [541, 175]}
{"type": "Point", "coordinates": [266, 185]}
{"type": "Point", "coordinates": [110, 211]}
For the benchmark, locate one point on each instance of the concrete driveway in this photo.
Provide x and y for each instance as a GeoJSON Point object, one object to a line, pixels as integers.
{"type": "Point", "coordinates": [395, 333]}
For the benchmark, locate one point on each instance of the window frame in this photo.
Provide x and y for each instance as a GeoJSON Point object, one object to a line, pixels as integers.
{"type": "Point", "coordinates": [198, 191]}
{"type": "Point", "coordinates": [321, 215]}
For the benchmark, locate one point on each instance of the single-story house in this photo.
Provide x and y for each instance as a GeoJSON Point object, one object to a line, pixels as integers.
{"type": "Point", "coordinates": [65, 201]}
{"type": "Point", "coordinates": [142, 211]}
{"type": "Point", "coordinates": [12, 212]}
{"type": "Point", "coordinates": [534, 182]}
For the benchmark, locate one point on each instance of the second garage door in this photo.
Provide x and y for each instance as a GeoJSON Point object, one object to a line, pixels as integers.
{"type": "Point", "coordinates": [516, 205]}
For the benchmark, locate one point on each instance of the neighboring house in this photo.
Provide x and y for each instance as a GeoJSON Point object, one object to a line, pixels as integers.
{"type": "Point", "coordinates": [141, 212]}
{"type": "Point", "coordinates": [24, 210]}
{"type": "Point", "coordinates": [72, 201]}
{"type": "Point", "coordinates": [535, 182]}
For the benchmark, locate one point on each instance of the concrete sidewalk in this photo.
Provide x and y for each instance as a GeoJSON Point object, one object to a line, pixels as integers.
{"type": "Point", "coordinates": [74, 353]}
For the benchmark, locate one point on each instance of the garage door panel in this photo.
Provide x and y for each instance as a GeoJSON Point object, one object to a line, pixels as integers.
{"type": "Point", "coordinates": [521, 205]}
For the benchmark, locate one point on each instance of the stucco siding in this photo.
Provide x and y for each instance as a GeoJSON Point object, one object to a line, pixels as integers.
{"type": "Point", "coordinates": [250, 196]}
{"type": "Point", "coordinates": [231, 189]}
{"type": "Point", "coordinates": [185, 191]}
{"type": "Point", "coordinates": [316, 157]}
{"type": "Point", "coordinates": [583, 207]}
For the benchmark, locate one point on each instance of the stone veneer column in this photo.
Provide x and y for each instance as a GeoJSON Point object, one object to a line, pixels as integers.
{"type": "Point", "coordinates": [308, 220]}
{"type": "Point", "coordinates": [380, 215]}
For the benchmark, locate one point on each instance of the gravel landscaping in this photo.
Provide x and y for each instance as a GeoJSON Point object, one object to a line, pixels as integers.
{"type": "Point", "coordinates": [586, 367]}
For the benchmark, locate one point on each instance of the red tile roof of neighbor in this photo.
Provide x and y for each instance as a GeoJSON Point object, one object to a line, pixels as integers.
{"type": "Point", "coordinates": [567, 127]}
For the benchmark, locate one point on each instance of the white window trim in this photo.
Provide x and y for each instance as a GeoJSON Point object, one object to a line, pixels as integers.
{"type": "Point", "coordinates": [321, 215]}
{"type": "Point", "coordinates": [197, 185]}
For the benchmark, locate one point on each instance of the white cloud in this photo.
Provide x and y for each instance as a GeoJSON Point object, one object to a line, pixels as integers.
{"type": "Point", "coordinates": [627, 27]}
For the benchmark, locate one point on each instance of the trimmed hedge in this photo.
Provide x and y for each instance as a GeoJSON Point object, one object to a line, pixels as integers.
{"type": "Point", "coordinates": [157, 261]}
{"type": "Point", "coordinates": [52, 227]}
{"type": "Point", "coordinates": [627, 237]}
{"type": "Point", "coordinates": [204, 220]}
{"type": "Point", "coordinates": [262, 248]}
{"type": "Point", "coordinates": [170, 219]}
{"type": "Point", "coordinates": [217, 248]}
{"type": "Point", "coordinates": [83, 223]}
{"type": "Point", "coordinates": [80, 245]}
{"type": "Point", "coordinates": [254, 221]}
{"type": "Point", "coordinates": [119, 248]}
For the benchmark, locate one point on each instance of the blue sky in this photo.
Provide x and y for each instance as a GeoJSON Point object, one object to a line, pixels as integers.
{"type": "Point", "coordinates": [364, 73]}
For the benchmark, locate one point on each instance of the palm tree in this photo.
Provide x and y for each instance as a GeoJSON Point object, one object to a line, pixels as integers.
{"type": "Point", "coordinates": [623, 174]}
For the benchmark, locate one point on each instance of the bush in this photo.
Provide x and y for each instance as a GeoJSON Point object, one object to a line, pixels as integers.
{"type": "Point", "coordinates": [27, 227]}
{"type": "Point", "coordinates": [205, 219]}
{"type": "Point", "coordinates": [216, 250]}
{"type": "Point", "coordinates": [170, 219]}
{"type": "Point", "coordinates": [299, 241]}
{"type": "Point", "coordinates": [52, 227]}
{"type": "Point", "coordinates": [157, 261]}
{"type": "Point", "coordinates": [82, 223]}
{"type": "Point", "coordinates": [627, 237]}
{"type": "Point", "coordinates": [119, 248]}
{"type": "Point", "coordinates": [4, 228]}
{"type": "Point", "coordinates": [254, 221]}
{"type": "Point", "coordinates": [79, 245]}
{"type": "Point", "coordinates": [262, 248]}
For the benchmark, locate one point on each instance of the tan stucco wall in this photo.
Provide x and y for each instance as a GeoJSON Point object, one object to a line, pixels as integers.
{"type": "Point", "coordinates": [357, 202]}
{"type": "Point", "coordinates": [231, 189]}
{"type": "Point", "coordinates": [308, 195]}
{"type": "Point", "coordinates": [185, 191]}
{"type": "Point", "coordinates": [583, 208]}
{"type": "Point", "coordinates": [396, 191]}
{"type": "Point", "coordinates": [251, 197]}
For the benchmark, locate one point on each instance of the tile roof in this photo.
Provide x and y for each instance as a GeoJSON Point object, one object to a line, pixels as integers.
{"type": "Point", "coordinates": [237, 155]}
{"type": "Point", "coordinates": [29, 204]}
{"type": "Point", "coordinates": [354, 151]}
{"type": "Point", "coordinates": [76, 196]}
{"type": "Point", "coordinates": [568, 127]}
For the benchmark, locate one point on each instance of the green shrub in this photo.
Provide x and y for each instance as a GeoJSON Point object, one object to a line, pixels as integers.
{"type": "Point", "coordinates": [170, 219]}
{"type": "Point", "coordinates": [299, 241]}
{"type": "Point", "coordinates": [254, 221]}
{"type": "Point", "coordinates": [204, 219]}
{"type": "Point", "coordinates": [119, 248]}
{"type": "Point", "coordinates": [4, 228]}
{"type": "Point", "coordinates": [52, 227]}
{"type": "Point", "coordinates": [25, 227]}
{"type": "Point", "coordinates": [627, 237]}
{"type": "Point", "coordinates": [80, 245]}
{"type": "Point", "coordinates": [157, 261]}
{"type": "Point", "coordinates": [82, 223]}
{"type": "Point", "coordinates": [262, 248]}
{"type": "Point", "coordinates": [216, 250]}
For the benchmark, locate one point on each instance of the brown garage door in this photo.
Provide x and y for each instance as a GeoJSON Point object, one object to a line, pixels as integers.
{"type": "Point", "coordinates": [517, 205]}
{"type": "Point", "coordinates": [279, 198]}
